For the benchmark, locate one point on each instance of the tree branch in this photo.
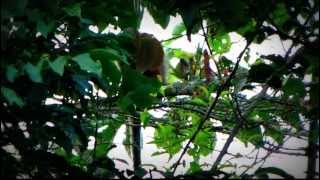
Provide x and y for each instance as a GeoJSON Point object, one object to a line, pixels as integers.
{"type": "Point", "coordinates": [214, 103]}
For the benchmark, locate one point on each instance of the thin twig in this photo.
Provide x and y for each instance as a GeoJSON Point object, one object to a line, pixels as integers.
{"type": "Point", "coordinates": [215, 101]}
{"type": "Point", "coordinates": [234, 132]}
{"type": "Point", "coordinates": [173, 38]}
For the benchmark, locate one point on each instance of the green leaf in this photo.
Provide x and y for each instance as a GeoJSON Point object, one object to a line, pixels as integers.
{"type": "Point", "coordinates": [273, 170]}
{"type": "Point", "coordinates": [178, 29]}
{"type": "Point", "coordinates": [280, 14]}
{"type": "Point", "coordinates": [11, 73]}
{"type": "Point", "coordinates": [225, 62]}
{"type": "Point", "coordinates": [294, 86]}
{"type": "Point", "coordinates": [101, 150]}
{"type": "Point", "coordinates": [293, 118]}
{"type": "Point", "coordinates": [220, 43]}
{"type": "Point", "coordinates": [248, 28]}
{"type": "Point", "coordinates": [125, 103]}
{"type": "Point", "coordinates": [275, 133]}
{"type": "Point", "coordinates": [145, 118]}
{"type": "Point", "coordinates": [34, 72]}
{"type": "Point", "coordinates": [86, 63]}
{"type": "Point", "coordinates": [159, 16]}
{"type": "Point", "coordinates": [73, 10]}
{"type": "Point", "coordinates": [166, 138]}
{"type": "Point", "coordinates": [202, 138]}
{"type": "Point", "coordinates": [194, 167]}
{"type": "Point", "coordinates": [108, 134]}
{"type": "Point", "coordinates": [112, 72]}
{"type": "Point", "coordinates": [107, 54]}
{"type": "Point", "coordinates": [189, 15]}
{"type": "Point", "coordinates": [231, 13]}
{"type": "Point", "coordinates": [11, 96]}
{"type": "Point", "coordinates": [110, 68]}
{"type": "Point", "coordinates": [181, 54]}
{"type": "Point", "coordinates": [157, 153]}
{"type": "Point", "coordinates": [82, 84]}
{"type": "Point", "coordinates": [58, 64]}
{"type": "Point", "coordinates": [138, 88]}
{"type": "Point", "coordinates": [199, 101]}
{"type": "Point", "coordinates": [142, 97]}
{"type": "Point", "coordinates": [206, 142]}
{"type": "Point", "coordinates": [252, 135]}
{"type": "Point", "coordinates": [45, 28]}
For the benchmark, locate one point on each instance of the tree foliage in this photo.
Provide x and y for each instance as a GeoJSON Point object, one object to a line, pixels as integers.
{"type": "Point", "coordinates": [49, 52]}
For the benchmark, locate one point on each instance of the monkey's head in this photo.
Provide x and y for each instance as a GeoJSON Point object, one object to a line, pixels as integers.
{"type": "Point", "coordinates": [149, 55]}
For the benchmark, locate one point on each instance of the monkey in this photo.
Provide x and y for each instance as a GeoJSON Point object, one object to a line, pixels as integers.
{"type": "Point", "coordinates": [148, 55]}
{"type": "Point", "coordinates": [208, 73]}
{"type": "Point", "coordinates": [148, 59]}
{"type": "Point", "coordinates": [183, 69]}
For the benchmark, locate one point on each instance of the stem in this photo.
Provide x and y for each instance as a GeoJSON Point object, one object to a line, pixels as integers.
{"type": "Point", "coordinates": [215, 101]}
{"type": "Point", "coordinates": [136, 150]}
{"type": "Point", "coordinates": [312, 149]}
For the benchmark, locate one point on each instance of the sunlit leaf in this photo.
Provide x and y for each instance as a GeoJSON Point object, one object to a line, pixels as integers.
{"type": "Point", "coordinates": [194, 167]}
{"type": "Point", "coordinates": [199, 101]}
{"type": "Point", "coordinates": [178, 29]}
{"type": "Point", "coordinates": [145, 118]}
{"type": "Point", "coordinates": [220, 43]}
{"type": "Point", "coordinates": [167, 139]}
{"type": "Point", "coordinates": [206, 142]}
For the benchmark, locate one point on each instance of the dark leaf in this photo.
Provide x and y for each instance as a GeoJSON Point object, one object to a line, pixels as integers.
{"type": "Point", "coordinates": [273, 170]}
{"type": "Point", "coordinates": [86, 63]}
{"type": "Point", "coordinates": [11, 96]}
